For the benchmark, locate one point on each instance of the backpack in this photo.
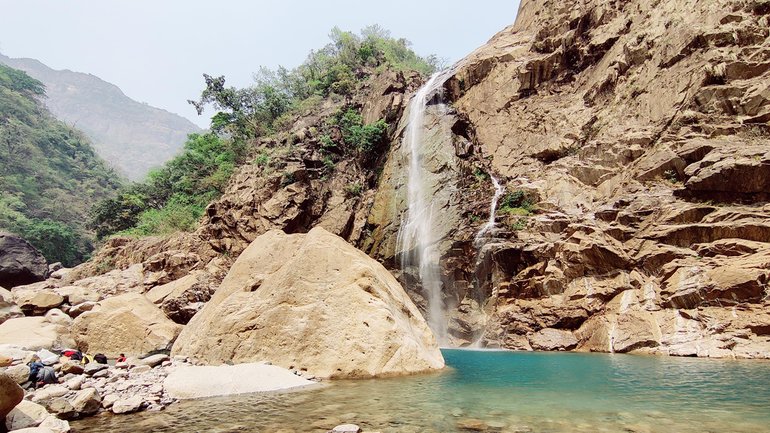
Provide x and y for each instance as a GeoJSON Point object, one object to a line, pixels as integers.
{"type": "Point", "coordinates": [100, 358]}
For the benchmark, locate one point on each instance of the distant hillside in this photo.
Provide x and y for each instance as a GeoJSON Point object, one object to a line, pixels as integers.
{"type": "Point", "coordinates": [50, 175]}
{"type": "Point", "coordinates": [133, 137]}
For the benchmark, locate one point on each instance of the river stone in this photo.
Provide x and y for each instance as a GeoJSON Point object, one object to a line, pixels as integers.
{"type": "Point", "coordinates": [58, 317]}
{"type": "Point", "coordinates": [62, 408]}
{"type": "Point", "coordinates": [87, 401]}
{"type": "Point", "coordinates": [25, 414]}
{"type": "Point", "coordinates": [209, 381]}
{"type": "Point", "coordinates": [49, 392]}
{"type": "Point", "coordinates": [313, 302]}
{"type": "Point", "coordinates": [75, 383]}
{"type": "Point", "coordinates": [71, 367]}
{"type": "Point", "coordinates": [128, 323]}
{"type": "Point", "coordinates": [55, 425]}
{"type": "Point", "coordinates": [128, 405]}
{"type": "Point", "coordinates": [139, 369]}
{"type": "Point", "coordinates": [109, 400]}
{"type": "Point", "coordinates": [93, 367]}
{"type": "Point", "coordinates": [10, 394]}
{"type": "Point", "coordinates": [19, 373]}
{"type": "Point", "coordinates": [346, 428]}
{"type": "Point", "coordinates": [154, 360]}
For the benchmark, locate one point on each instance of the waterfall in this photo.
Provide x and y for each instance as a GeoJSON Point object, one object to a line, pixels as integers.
{"type": "Point", "coordinates": [490, 224]}
{"type": "Point", "coordinates": [416, 237]}
{"type": "Point", "coordinates": [479, 242]}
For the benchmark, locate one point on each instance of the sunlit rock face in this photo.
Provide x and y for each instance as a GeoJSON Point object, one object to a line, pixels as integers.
{"type": "Point", "coordinates": [641, 130]}
{"type": "Point", "coordinates": [311, 302]}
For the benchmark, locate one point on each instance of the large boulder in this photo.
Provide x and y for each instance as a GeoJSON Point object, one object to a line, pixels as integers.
{"type": "Point", "coordinates": [8, 308]}
{"type": "Point", "coordinates": [20, 262]}
{"type": "Point", "coordinates": [128, 323]}
{"type": "Point", "coordinates": [34, 333]}
{"type": "Point", "coordinates": [26, 414]}
{"type": "Point", "coordinates": [311, 302]}
{"type": "Point", "coordinates": [11, 394]}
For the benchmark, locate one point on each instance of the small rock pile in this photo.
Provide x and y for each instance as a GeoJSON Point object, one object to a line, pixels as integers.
{"type": "Point", "coordinates": [83, 391]}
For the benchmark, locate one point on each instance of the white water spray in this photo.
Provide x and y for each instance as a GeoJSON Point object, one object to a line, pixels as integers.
{"type": "Point", "coordinates": [490, 224]}
{"type": "Point", "coordinates": [416, 237]}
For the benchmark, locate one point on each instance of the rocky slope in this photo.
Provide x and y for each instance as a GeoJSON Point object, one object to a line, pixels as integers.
{"type": "Point", "coordinates": [632, 140]}
{"type": "Point", "coordinates": [133, 137]}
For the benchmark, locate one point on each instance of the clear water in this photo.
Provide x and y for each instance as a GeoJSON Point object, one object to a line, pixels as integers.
{"type": "Point", "coordinates": [509, 391]}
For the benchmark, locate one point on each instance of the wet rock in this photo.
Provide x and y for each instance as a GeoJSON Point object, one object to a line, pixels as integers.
{"type": "Point", "coordinates": [471, 424]}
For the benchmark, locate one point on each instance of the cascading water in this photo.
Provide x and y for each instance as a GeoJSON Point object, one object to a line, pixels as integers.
{"type": "Point", "coordinates": [490, 224]}
{"type": "Point", "coordinates": [416, 237]}
{"type": "Point", "coordinates": [479, 242]}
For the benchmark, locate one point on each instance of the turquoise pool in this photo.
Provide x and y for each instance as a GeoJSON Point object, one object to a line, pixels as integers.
{"type": "Point", "coordinates": [498, 391]}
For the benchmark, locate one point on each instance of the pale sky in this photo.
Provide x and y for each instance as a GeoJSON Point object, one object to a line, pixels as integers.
{"type": "Point", "coordinates": [157, 50]}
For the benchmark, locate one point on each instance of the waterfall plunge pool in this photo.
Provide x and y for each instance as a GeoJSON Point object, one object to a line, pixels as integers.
{"type": "Point", "coordinates": [500, 391]}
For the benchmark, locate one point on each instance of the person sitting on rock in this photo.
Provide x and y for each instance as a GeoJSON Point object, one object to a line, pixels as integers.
{"type": "Point", "coordinates": [100, 358]}
{"type": "Point", "coordinates": [45, 376]}
{"type": "Point", "coordinates": [34, 369]}
{"type": "Point", "coordinates": [121, 358]}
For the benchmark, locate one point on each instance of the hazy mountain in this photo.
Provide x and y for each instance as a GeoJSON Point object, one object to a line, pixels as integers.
{"type": "Point", "coordinates": [132, 136]}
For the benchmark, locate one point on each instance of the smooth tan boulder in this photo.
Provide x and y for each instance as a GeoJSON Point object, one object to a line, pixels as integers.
{"type": "Point", "coordinates": [34, 333]}
{"type": "Point", "coordinates": [25, 415]}
{"type": "Point", "coordinates": [311, 302]}
{"type": "Point", "coordinates": [8, 309]}
{"type": "Point", "coordinates": [11, 394]}
{"type": "Point", "coordinates": [128, 323]}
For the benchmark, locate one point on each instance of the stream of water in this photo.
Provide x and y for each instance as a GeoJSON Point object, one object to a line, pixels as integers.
{"type": "Point", "coordinates": [504, 391]}
{"type": "Point", "coordinates": [416, 237]}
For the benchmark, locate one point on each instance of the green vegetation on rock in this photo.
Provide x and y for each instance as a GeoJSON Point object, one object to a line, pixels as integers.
{"type": "Point", "coordinates": [174, 197]}
{"type": "Point", "coordinates": [49, 173]}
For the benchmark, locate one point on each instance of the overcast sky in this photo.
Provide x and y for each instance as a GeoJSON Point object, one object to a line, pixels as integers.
{"type": "Point", "coordinates": [156, 50]}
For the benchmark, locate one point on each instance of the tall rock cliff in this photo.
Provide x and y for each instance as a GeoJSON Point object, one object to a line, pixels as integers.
{"type": "Point", "coordinates": [641, 131]}
{"type": "Point", "coordinates": [131, 136]}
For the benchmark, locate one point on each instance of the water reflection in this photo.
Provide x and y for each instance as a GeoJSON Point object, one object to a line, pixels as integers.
{"type": "Point", "coordinates": [499, 391]}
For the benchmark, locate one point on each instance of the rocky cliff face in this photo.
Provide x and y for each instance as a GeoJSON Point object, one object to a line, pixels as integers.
{"type": "Point", "coordinates": [632, 140]}
{"type": "Point", "coordinates": [641, 131]}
